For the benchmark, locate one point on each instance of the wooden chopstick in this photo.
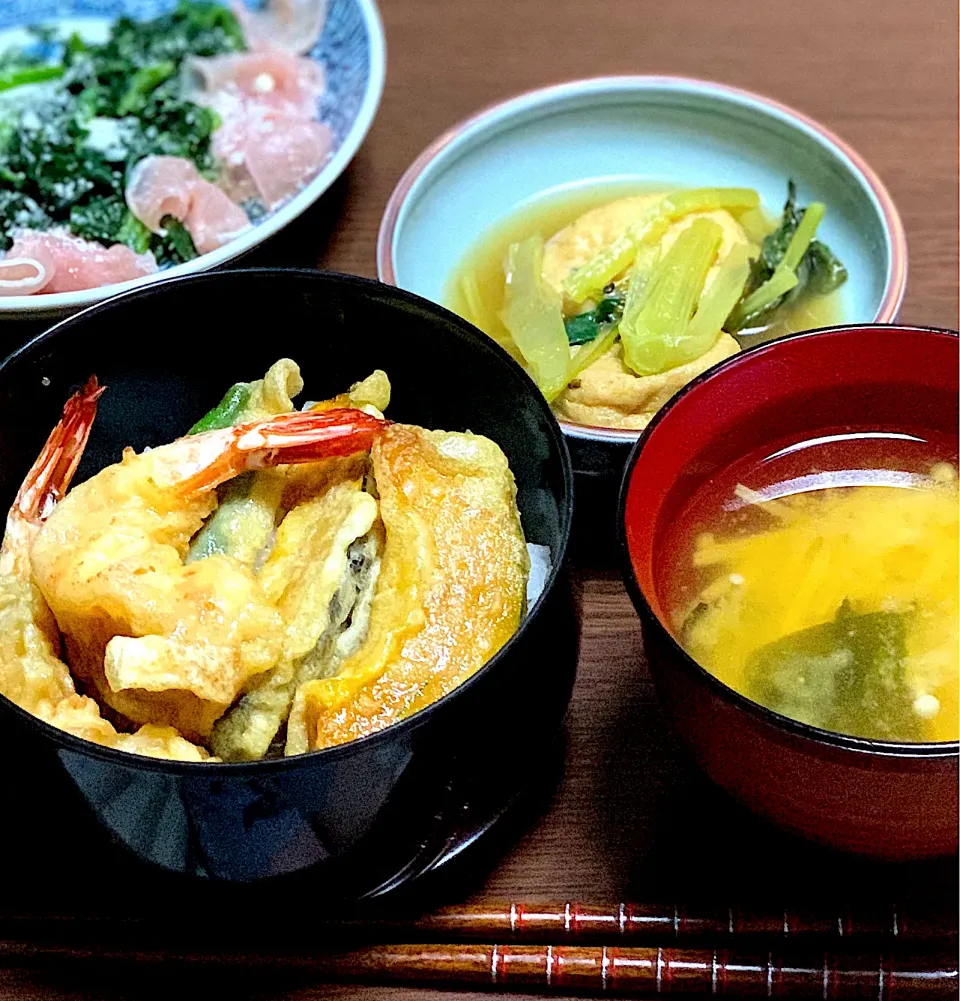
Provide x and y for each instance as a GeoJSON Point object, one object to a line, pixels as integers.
{"type": "Point", "coordinates": [661, 924]}
{"type": "Point", "coordinates": [644, 972]}
{"type": "Point", "coordinates": [548, 969]}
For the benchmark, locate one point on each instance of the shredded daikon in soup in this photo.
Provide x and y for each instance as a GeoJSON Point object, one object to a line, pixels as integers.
{"type": "Point", "coordinates": [842, 612]}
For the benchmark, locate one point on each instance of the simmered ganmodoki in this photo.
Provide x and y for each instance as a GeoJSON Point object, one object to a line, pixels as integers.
{"type": "Point", "coordinates": [274, 582]}
{"type": "Point", "coordinates": [615, 299]}
{"type": "Point", "coordinates": [820, 580]}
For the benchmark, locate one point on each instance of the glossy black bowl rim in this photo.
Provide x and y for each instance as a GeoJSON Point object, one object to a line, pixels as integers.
{"type": "Point", "coordinates": [779, 722]}
{"type": "Point", "coordinates": [265, 766]}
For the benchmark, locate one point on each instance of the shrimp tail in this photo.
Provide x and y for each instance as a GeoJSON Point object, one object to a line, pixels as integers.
{"type": "Point", "coordinates": [50, 476]}
{"type": "Point", "coordinates": [287, 439]}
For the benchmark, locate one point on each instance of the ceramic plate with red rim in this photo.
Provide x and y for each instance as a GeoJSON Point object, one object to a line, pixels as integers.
{"type": "Point", "coordinates": [648, 130]}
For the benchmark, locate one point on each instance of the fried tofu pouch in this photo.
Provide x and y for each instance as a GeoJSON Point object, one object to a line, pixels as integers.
{"type": "Point", "coordinates": [608, 393]}
{"type": "Point", "coordinates": [450, 592]}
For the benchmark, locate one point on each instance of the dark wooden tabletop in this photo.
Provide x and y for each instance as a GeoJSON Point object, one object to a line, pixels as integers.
{"type": "Point", "coordinates": [622, 815]}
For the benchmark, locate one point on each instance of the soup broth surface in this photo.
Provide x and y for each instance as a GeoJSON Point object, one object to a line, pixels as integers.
{"type": "Point", "coordinates": [819, 578]}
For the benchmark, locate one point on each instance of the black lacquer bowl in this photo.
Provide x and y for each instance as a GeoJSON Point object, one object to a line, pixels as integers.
{"type": "Point", "coordinates": [356, 814]}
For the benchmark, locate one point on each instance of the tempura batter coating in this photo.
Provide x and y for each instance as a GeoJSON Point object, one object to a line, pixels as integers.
{"type": "Point", "coordinates": [301, 577]}
{"type": "Point", "coordinates": [451, 588]}
{"type": "Point", "coordinates": [110, 563]}
{"type": "Point", "coordinates": [160, 641]}
{"type": "Point", "coordinates": [31, 673]}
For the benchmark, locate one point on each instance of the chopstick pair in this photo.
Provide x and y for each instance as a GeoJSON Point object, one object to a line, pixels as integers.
{"type": "Point", "coordinates": [793, 966]}
{"type": "Point", "coordinates": [544, 949]}
{"type": "Point", "coordinates": [648, 971]}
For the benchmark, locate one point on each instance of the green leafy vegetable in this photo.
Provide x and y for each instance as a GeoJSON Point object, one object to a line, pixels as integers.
{"type": "Point", "coordinates": [826, 273]}
{"type": "Point", "coordinates": [98, 218]}
{"type": "Point", "coordinates": [846, 675]}
{"type": "Point", "coordinates": [143, 82]}
{"type": "Point", "coordinates": [134, 234]}
{"type": "Point", "coordinates": [54, 171]}
{"type": "Point", "coordinates": [791, 261]}
{"type": "Point", "coordinates": [22, 210]}
{"type": "Point", "coordinates": [134, 59]}
{"type": "Point", "coordinates": [22, 75]}
{"type": "Point", "coordinates": [584, 327]}
{"type": "Point", "coordinates": [175, 235]}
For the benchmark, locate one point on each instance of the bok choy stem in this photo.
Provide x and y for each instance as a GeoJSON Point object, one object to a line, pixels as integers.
{"type": "Point", "coordinates": [652, 334]}
{"type": "Point", "coordinates": [801, 238]}
{"type": "Point", "coordinates": [716, 304]}
{"type": "Point", "coordinates": [651, 226]}
{"type": "Point", "coordinates": [480, 315]}
{"type": "Point", "coordinates": [532, 313]}
{"type": "Point", "coordinates": [779, 283]}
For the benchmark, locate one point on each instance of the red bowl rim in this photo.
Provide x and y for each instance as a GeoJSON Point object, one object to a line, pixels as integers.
{"type": "Point", "coordinates": [779, 722]}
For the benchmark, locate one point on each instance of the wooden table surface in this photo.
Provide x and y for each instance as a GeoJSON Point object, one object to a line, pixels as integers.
{"type": "Point", "coordinates": [628, 818]}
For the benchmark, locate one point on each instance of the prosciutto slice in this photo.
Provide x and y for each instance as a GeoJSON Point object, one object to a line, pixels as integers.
{"type": "Point", "coordinates": [270, 143]}
{"type": "Point", "coordinates": [292, 25]}
{"type": "Point", "coordinates": [57, 261]}
{"type": "Point", "coordinates": [161, 186]}
{"type": "Point", "coordinates": [276, 152]}
{"type": "Point", "coordinates": [270, 78]}
{"type": "Point", "coordinates": [22, 276]}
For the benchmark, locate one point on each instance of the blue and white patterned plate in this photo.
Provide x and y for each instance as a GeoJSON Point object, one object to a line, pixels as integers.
{"type": "Point", "coordinates": [352, 51]}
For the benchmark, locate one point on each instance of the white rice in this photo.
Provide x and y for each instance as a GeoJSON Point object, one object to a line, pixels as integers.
{"type": "Point", "coordinates": [540, 566]}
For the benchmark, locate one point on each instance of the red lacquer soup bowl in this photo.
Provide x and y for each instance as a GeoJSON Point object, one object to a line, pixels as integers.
{"type": "Point", "coordinates": [892, 800]}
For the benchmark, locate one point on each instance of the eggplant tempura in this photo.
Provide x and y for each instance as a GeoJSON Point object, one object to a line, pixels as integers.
{"type": "Point", "coordinates": [274, 582]}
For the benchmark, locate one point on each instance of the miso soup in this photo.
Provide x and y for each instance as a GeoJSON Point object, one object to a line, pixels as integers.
{"type": "Point", "coordinates": [819, 578]}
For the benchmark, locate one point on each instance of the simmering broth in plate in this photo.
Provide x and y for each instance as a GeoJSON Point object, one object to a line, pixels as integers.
{"type": "Point", "coordinates": [819, 578]}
